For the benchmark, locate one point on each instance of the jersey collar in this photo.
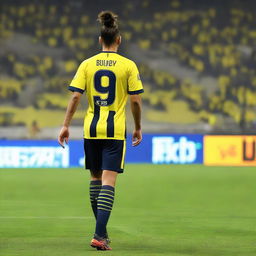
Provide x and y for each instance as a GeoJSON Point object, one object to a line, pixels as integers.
{"type": "Point", "coordinates": [109, 51]}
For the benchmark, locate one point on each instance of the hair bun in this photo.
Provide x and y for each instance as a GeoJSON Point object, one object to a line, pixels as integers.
{"type": "Point", "coordinates": [108, 19]}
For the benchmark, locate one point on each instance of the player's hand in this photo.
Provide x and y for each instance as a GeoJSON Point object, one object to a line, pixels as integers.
{"type": "Point", "coordinates": [63, 136]}
{"type": "Point", "coordinates": [136, 137]}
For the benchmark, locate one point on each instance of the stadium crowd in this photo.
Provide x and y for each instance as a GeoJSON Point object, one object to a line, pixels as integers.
{"type": "Point", "coordinates": [213, 39]}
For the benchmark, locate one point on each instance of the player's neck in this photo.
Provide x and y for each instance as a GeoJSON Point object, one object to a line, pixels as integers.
{"type": "Point", "coordinates": [112, 48]}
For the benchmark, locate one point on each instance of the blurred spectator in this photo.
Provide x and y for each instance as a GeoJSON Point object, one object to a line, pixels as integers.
{"type": "Point", "coordinates": [34, 130]}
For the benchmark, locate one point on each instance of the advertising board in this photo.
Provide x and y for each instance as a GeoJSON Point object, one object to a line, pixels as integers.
{"type": "Point", "coordinates": [230, 150]}
{"type": "Point", "coordinates": [32, 154]}
{"type": "Point", "coordinates": [155, 148]}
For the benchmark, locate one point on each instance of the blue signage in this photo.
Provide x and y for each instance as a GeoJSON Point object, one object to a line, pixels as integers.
{"type": "Point", "coordinates": [155, 148]}
{"type": "Point", "coordinates": [32, 154]}
{"type": "Point", "coordinates": [167, 149]}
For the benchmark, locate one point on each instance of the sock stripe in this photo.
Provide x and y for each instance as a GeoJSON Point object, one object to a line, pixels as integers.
{"type": "Point", "coordinates": [107, 195]}
{"type": "Point", "coordinates": [106, 200]}
{"type": "Point", "coordinates": [105, 206]}
{"type": "Point", "coordinates": [110, 204]}
{"type": "Point", "coordinates": [107, 190]}
{"type": "Point", "coordinates": [105, 203]}
{"type": "Point", "coordinates": [108, 187]}
{"type": "Point", "coordinates": [99, 208]}
{"type": "Point", "coordinates": [104, 193]}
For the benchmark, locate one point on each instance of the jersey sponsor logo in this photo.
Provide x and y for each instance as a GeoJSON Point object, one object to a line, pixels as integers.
{"type": "Point", "coordinates": [166, 150]}
{"type": "Point", "coordinates": [33, 157]}
{"type": "Point", "coordinates": [106, 63]}
{"type": "Point", "coordinates": [101, 103]}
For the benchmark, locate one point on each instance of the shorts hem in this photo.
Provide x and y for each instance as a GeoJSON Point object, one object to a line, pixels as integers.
{"type": "Point", "coordinates": [108, 169]}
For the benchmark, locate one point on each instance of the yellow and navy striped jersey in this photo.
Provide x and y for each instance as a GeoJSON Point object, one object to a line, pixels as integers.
{"type": "Point", "coordinates": [107, 78]}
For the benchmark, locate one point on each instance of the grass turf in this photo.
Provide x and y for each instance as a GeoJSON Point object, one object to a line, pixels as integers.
{"type": "Point", "coordinates": [158, 210]}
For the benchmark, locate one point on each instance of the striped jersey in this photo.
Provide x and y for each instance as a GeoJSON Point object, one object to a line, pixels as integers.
{"type": "Point", "coordinates": [107, 78]}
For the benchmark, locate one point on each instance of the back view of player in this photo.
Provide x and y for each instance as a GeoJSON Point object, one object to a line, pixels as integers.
{"type": "Point", "coordinates": [108, 79]}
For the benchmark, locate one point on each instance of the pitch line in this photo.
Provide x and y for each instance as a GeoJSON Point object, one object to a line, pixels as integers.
{"type": "Point", "coordinates": [47, 217]}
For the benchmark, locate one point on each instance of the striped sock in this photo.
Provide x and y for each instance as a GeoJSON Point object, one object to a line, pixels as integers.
{"type": "Point", "coordinates": [105, 203]}
{"type": "Point", "coordinates": [95, 187]}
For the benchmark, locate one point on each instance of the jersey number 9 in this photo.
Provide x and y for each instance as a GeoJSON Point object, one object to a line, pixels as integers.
{"type": "Point", "coordinates": [110, 89]}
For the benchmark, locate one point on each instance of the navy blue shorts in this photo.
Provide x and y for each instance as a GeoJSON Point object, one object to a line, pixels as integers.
{"type": "Point", "coordinates": [104, 154]}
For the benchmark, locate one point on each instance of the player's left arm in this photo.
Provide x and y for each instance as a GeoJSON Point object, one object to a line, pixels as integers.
{"type": "Point", "coordinates": [71, 109]}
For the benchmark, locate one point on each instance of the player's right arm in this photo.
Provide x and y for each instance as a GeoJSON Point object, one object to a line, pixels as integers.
{"type": "Point", "coordinates": [135, 88]}
{"type": "Point", "coordinates": [136, 112]}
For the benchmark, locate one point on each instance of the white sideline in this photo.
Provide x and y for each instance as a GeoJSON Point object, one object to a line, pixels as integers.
{"type": "Point", "coordinates": [46, 217]}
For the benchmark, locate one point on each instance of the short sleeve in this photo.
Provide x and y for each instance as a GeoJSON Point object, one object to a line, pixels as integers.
{"type": "Point", "coordinates": [78, 84]}
{"type": "Point", "coordinates": [134, 82]}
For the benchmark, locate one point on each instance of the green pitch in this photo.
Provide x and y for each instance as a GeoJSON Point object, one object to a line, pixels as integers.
{"type": "Point", "coordinates": [158, 210]}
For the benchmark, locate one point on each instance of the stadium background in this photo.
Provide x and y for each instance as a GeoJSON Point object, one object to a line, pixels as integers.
{"type": "Point", "coordinates": [197, 63]}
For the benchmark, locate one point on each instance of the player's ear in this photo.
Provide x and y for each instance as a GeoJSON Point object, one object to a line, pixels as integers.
{"type": "Point", "coordinates": [118, 40]}
{"type": "Point", "coordinates": [100, 40]}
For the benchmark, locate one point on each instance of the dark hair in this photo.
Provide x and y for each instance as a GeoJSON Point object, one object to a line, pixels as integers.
{"type": "Point", "coordinates": [109, 29]}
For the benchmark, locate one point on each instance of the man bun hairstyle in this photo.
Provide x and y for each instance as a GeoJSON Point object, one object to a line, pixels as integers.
{"type": "Point", "coordinates": [109, 27]}
{"type": "Point", "coordinates": [108, 19]}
